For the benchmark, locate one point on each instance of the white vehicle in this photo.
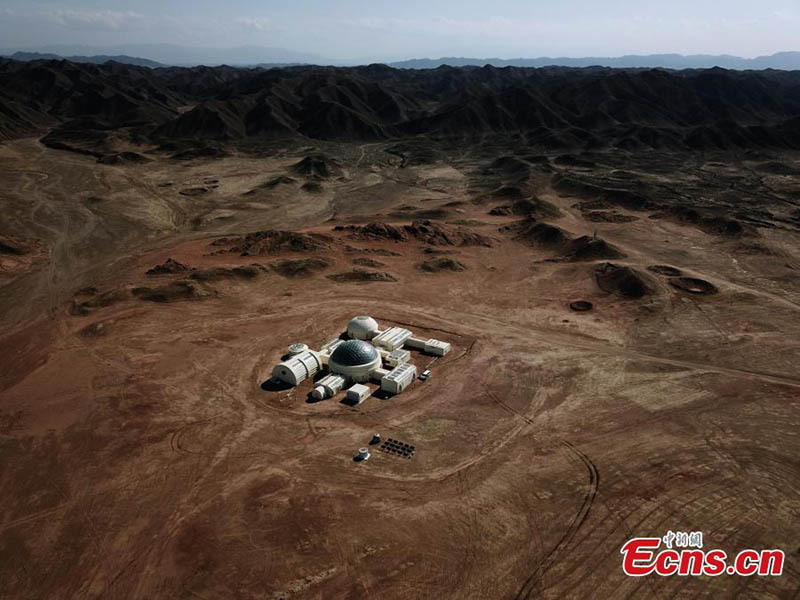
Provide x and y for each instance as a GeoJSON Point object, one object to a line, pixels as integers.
{"type": "Point", "coordinates": [425, 374]}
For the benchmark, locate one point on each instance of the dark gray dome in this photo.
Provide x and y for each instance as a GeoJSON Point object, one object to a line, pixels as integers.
{"type": "Point", "coordinates": [353, 353]}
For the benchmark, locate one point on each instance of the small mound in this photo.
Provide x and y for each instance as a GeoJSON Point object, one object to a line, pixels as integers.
{"type": "Point", "coordinates": [436, 265]}
{"type": "Point", "coordinates": [414, 153]}
{"type": "Point", "coordinates": [94, 330]}
{"type": "Point", "coordinates": [603, 216]}
{"type": "Point", "coordinates": [755, 248]}
{"type": "Point", "coordinates": [544, 235]}
{"type": "Point", "coordinates": [436, 234]}
{"type": "Point", "coordinates": [82, 136]}
{"type": "Point", "coordinates": [274, 241]}
{"type": "Point", "coordinates": [508, 191]}
{"type": "Point", "coordinates": [533, 206]}
{"type": "Point", "coordinates": [194, 191]}
{"type": "Point", "coordinates": [317, 166]}
{"type": "Point", "coordinates": [89, 290]}
{"type": "Point", "coordinates": [693, 285]}
{"type": "Point", "coordinates": [368, 262]}
{"type": "Point", "coordinates": [510, 166]}
{"type": "Point", "coordinates": [778, 168]}
{"type": "Point", "coordinates": [527, 207]}
{"type": "Point", "coordinates": [361, 275]}
{"type": "Point", "coordinates": [304, 267]}
{"type": "Point", "coordinates": [379, 251]}
{"type": "Point", "coordinates": [311, 187]}
{"type": "Point", "coordinates": [424, 213]}
{"type": "Point", "coordinates": [272, 184]}
{"type": "Point", "coordinates": [280, 180]}
{"type": "Point", "coordinates": [169, 267]}
{"type": "Point", "coordinates": [500, 211]}
{"type": "Point", "coordinates": [121, 158]}
{"type": "Point", "coordinates": [374, 232]}
{"type": "Point", "coordinates": [173, 292]}
{"type": "Point", "coordinates": [623, 281]}
{"type": "Point", "coordinates": [215, 273]}
{"type": "Point", "coordinates": [570, 160]}
{"type": "Point", "coordinates": [468, 222]}
{"type": "Point", "coordinates": [203, 151]}
{"type": "Point", "coordinates": [591, 248]}
{"type": "Point", "coordinates": [627, 199]}
{"type": "Point", "coordinates": [713, 225]}
{"type": "Point", "coordinates": [98, 301]}
{"type": "Point", "coordinates": [581, 305]}
{"type": "Point", "coordinates": [570, 185]}
{"type": "Point", "coordinates": [13, 247]}
{"type": "Point", "coordinates": [426, 231]}
{"type": "Point", "coordinates": [723, 226]}
{"type": "Point", "coordinates": [665, 270]}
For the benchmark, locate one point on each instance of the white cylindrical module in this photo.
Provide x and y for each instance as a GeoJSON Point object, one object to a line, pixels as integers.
{"type": "Point", "coordinates": [297, 348]}
{"type": "Point", "coordinates": [332, 384]}
{"type": "Point", "coordinates": [298, 368]}
{"type": "Point", "coordinates": [363, 454]}
{"type": "Point", "coordinates": [328, 387]}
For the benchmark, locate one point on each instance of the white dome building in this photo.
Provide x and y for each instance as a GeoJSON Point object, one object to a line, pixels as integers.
{"type": "Point", "coordinates": [355, 360]}
{"type": "Point", "coordinates": [362, 327]}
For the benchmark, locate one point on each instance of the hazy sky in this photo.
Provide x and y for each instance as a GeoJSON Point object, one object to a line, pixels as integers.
{"type": "Point", "coordinates": [385, 30]}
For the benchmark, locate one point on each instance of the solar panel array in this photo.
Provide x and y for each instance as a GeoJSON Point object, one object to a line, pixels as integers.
{"type": "Point", "coordinates": [397, 448]}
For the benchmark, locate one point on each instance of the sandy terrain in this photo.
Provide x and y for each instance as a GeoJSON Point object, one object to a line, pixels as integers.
{"type": "Point", "coordinates": [144, 456]}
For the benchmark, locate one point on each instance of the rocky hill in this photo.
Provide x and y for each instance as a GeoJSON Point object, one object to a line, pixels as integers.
{"type": "Point", "coordinates": [547, 108]}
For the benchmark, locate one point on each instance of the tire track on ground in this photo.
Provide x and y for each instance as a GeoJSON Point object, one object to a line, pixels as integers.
{"type": "Point", "coordinates": [578, 519]}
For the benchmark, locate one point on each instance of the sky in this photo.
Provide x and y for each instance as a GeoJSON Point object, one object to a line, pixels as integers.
{"type": "Point", "coordinates": [380, 30]}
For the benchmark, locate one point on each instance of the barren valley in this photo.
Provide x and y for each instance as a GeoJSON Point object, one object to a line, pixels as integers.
{"type": "Point", "coordinates": [625, 324]}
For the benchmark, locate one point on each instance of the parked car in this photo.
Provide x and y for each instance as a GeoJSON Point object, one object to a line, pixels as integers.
{"type": "Point", "coordinates": [424, 375]}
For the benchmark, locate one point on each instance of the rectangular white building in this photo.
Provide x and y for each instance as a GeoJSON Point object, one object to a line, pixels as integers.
{"type": "Point", "coordinates": [398, 357]}
{"type": "Point", "coordinates": [392, 338]}
{"type": "Point", "coordinates": [436, 347]}
{"type": "Point", "coordinates": [358, 393]}
{"type": "Point", "coordinates": [399, 378]}
{"type": "Point", "coordinates": [416, 343]}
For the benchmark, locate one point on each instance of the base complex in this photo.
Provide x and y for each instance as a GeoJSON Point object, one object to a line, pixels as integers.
{"type": "Point", "coordinates": [370, 354]}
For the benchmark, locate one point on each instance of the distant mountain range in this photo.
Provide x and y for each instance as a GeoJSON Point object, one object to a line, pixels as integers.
{"type": "Point", "coordinates": [100, 109]}
{"type": "Point", "coordinates": [99, 59]}
{"type": "Point", "coordinates": [159, 55]}
{"type": "Point", "coordinates": [788, 61]}
{"type": "Point", "coordinates": [96, 59]}
{"type": "Point", "coordinates": [174, 55]}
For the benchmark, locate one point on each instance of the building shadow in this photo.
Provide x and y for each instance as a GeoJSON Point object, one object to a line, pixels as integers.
{"type": "Point", "coordinates": [311, 400]}
{"type": "Point", "coordinates": [351, 403]}
{"type": "Point", "coordinates": [275, 385]}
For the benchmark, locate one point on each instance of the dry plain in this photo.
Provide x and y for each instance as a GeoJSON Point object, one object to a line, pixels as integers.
{"type": "Point", "coordinates": [143, 455]}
